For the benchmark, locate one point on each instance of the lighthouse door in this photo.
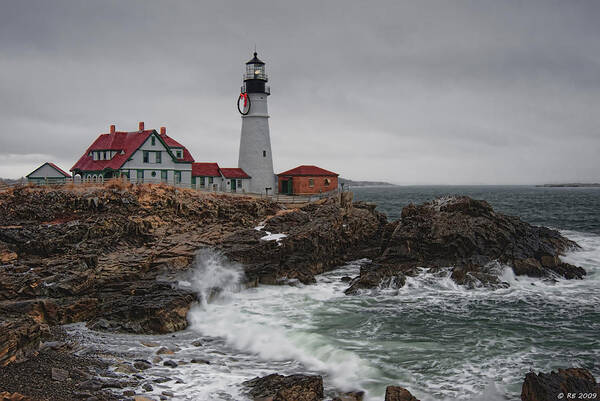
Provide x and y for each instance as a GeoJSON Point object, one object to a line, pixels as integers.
{"type": "Point", "coordinates": [232, 185]}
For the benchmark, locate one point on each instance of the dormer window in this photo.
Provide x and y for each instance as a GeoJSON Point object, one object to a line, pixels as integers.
{"type": "Point", "coordinates": [179, 154]}
{"type": "Point", "coordinates": [153, 140]}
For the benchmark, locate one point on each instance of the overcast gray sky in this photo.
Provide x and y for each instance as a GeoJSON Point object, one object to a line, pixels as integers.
{"type": "Point", "coordinates": [411, 92]}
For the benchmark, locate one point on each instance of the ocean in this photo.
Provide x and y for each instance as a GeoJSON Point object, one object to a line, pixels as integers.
{"type": "Point", "coordinates": [436, 338]}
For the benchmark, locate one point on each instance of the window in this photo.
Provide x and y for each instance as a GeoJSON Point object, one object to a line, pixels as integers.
{"type": "Point", "coordinates": [210, 180]}
{"type": "Point", "coordinates": [105, 156]}
{"type": "Point", "coordinates": [146, 156]}
{"type": "Point", "coordinates": [311, 182]}
{"type": "Point", "coordinates": [153, 140]}
{"type": "Point", "coordinates": [194, 182]}
{"type": "Point", "coordinates": [179, 154]}
{"type": "Point", "coordinates": [264, 153]}
{"type": "Point", "coordinates": [202, 182]}
{"type": "Point", "coordinates": [239, 183]}
{"type": "Point", "coordinates": [327, 182]}
{"type": "Point", "coordinates": [154, 174]}
{"type": "Point", "coordinates": [159, 157]}
{"type": "Point", "coordinates": [163, 175]}
{"type": "Point", "coordinates": [177, 177]}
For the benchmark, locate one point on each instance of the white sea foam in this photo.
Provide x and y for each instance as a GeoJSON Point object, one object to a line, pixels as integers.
{"type": "Point", "coordinates": [262, 322]}
{"type": "Point", "coordinates": [433, 336]}
{"type": "Point", "coordinates": [273, 237]}
{"type": "Point", "coordinates": [287, 325]}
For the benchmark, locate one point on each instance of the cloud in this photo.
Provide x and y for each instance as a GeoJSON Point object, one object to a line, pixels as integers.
{"type": "Point", "coordinates": [409, 92]}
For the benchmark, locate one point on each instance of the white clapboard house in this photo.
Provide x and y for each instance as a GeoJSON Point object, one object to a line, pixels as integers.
{"type": "Point", "coordinates": [147, 156]}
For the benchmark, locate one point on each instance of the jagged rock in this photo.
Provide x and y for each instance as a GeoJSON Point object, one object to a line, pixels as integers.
{"type": "Point", "coordinates": [473, 276]}
{"type": "Point", "coordinates": [125, 368]}
{"type": "Point", "coordinates": [373, 276]}
{"type": "Point", "coordinates": [548, 386]}
{"type": "Point", "coordinates": [170, 363]}
{"type": "Point", "coordinates": [59, 374]}
{"type": "Point", "coordinates": [164, 351]}
{"type": "Point", "coordinates": [201, 361]}
{"type": "Point", "coordinates": [318, 238]}
{"type": "Point", "coordinates": [397, 393]}
{"type": "Point", "coordinates": [286, 388]}
{"type": "Point", "coordinates": [469, 236]}
{"type": "Point", "coordinates": [141, 364]}
{"type": "Point", "coordinates": [6, 396]}
{"type": "Point", "coordinates": [95, 255]}
{"type": "Point", "coordinates": [350, 396]}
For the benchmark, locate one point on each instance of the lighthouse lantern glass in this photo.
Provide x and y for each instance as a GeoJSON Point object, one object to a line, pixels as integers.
{"type": "Point", "coordinates": [255, 71]}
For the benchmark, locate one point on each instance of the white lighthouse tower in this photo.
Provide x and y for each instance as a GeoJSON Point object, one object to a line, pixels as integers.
{"type": "Point", "coordinates": [255, 141]}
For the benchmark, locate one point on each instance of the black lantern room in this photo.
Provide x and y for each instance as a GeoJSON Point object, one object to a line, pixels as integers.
{"type": "Point", "coordinates": [255, 78]}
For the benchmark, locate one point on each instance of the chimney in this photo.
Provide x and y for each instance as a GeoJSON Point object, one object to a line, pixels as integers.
{"type": "Point", "coordinates": [141, 126]}
{"type": "Point", "coordinates": [112, 129]}
{"type": "Point", "coordinates": [163, 130]}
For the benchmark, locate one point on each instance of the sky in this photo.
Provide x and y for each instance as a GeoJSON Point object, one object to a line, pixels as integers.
{"type": "Point", "coordinates": [409, 92]}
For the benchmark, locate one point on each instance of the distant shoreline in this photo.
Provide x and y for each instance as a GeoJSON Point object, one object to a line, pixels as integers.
{"type": "Point", "coordinates": [352, 183]}
{"type": "Point", "coordinates": [571, 185]}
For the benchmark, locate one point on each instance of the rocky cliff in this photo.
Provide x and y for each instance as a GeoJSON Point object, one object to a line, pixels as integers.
{"type": "Point", "coordinates": [112, 256]}
{"type": "Point", "coordinates": [470, 238]}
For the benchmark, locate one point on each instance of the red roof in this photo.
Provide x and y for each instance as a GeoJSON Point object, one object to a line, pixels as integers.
{"type": "Point", "coordinates": [126, 143]}
{"type": "Point", "coordinates": [205, 170]}
{"type": "Point", "coordinates": [309, 171]}
{"type": "Point", "coordinates": [234, 173]}
{"type": "Point", "coordinates": [172, 143]}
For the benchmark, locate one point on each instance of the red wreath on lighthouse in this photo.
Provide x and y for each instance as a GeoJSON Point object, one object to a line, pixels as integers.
{"type": "Point", "coordinates": [246, 106]}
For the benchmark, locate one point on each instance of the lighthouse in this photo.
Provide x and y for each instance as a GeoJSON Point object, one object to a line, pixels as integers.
{"type": "Point", "coordinates": [255, 141]}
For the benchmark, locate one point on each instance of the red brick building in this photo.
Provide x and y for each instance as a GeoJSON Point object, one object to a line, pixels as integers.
{"type": "Point", "coordinates": [307, 180]}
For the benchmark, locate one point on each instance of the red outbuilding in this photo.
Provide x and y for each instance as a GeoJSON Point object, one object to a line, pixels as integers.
{"type": "Point", "coordinates": [307, 180]}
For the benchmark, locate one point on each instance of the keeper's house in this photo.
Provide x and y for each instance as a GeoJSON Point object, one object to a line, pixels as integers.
{"type": "Point", "coordinates": [145, 156]}
{"type": "Point", "coordinates": [48, 174]}
{"type": "Point", "coordinates": [140, 156]}
{"type": "Point", "coordinates": [307, 180]}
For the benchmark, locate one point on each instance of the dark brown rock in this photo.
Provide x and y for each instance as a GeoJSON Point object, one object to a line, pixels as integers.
{"type": "Point", "coordinates": [141, 364]}
{"type": "Point", "coordinates": [320, 236]}
{"type": "Point", "coordinates": [548, 386]}
{"type": "Point", "coordinates": [373, 276]}
{"type": "Point", "coordinates": [469, 236]}
{"type": "Point", "coordinates": [397, 393]}
{"type": "Point", "coordinates": [350, 396]}
{"type": "Point", "coordinates": [170, 363]}
{"type": "Point", "coordinates": [286, 388]}
{"type": "Point", "coordinates": [95, 255]}
{"type": "Point", "coordinates": [59, 374]}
